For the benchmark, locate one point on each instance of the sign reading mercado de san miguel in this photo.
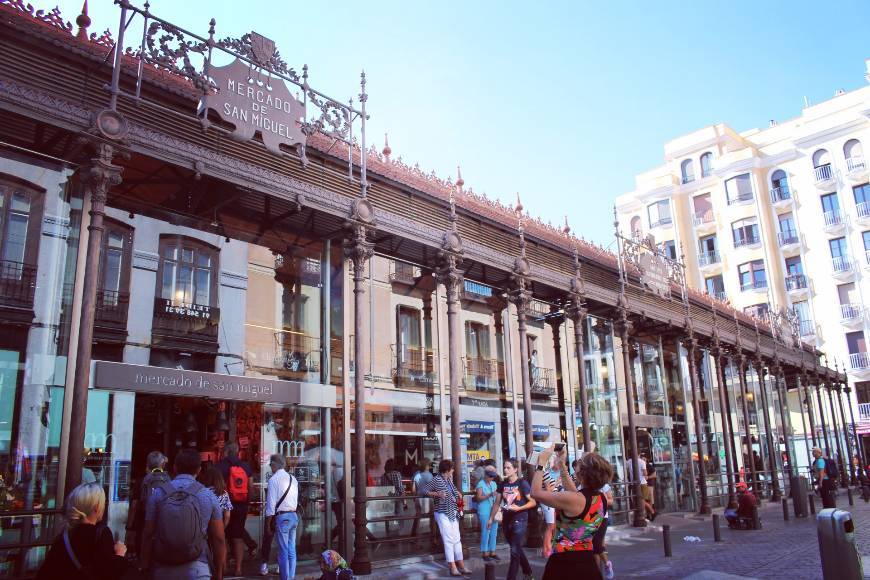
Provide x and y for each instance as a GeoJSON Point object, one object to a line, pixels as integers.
{"type": "Point", "coordinates": [251, 99]}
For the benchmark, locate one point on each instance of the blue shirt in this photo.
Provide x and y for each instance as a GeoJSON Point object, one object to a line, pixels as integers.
{"type": "Point", "coordinates": [207, 504]}
{"type": "Point", "coordinates": [819, 465]}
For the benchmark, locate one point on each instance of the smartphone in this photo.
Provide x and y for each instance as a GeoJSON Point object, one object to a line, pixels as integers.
{"type": "Point", "coordinates": [558, 447]}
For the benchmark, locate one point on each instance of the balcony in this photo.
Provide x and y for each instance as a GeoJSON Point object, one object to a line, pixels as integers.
{"type": "Point", "coordinates": [759, 311]}
{"type": "Point", "coordinates": [661, 223]}
{"type": "Point", "coordinates": [706, 259]}
{"type": "Point", "coordinates": [289, 269]}
{"type": "Point", "coordinates": [476, 291]}
{"type": "Point", "coordinates": [864, 210]}
{"type": "Point", "coordinates": [180, 325]}
{"type": "Point", "coordinates": [842, 266]}
{"type": "Point", "coordinates": [17, 289]}
{"type": "Point", "coordinates": [755, 285]}
{"type": "Point", "coordinates": [297, 353]}
{"type": "Point", "coordinates": [795, 282]}
{"type": "Point", "coordinates": [719, 295]}
{"type": "Point", "coordinates": [859, 361]}
{"type": "Point", "coordinates": [788, 238]}
{"type": "Point", "coordinates": [856, 167]}
{"type": "Point", "coordinates": [404, 273]}
{"type": "Point", "coordinates": [746, 242]}
{"type": "Point", "coordinates": [484, 375]}
{"type": "Point", "coordinates": [780, 194]}
{"type": "Point", "coordinates": [807, 328]}
{"type": "Point", "coordinates": [864, 411]}
{"type": "Point", "coordinates": [824, 175]}
{"type": "Point", "coordinates": [741, 198]}
{"type": "Point", "coordinates": [542, 382]}
{"type": "Point", "coordinates": [110, 316]}
{"type": "Point", "coordinates": [413, 366]}
{"type": "Point", "coordinates": [851, 313]}
{"type": "Point", "coordinates": [703, 218]}
{"type": "Point", "coordinates": [834, 221]}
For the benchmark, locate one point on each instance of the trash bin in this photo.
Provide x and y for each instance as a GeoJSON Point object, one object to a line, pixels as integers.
{"type": "Point", "coordinates": [799, 496]}
{"type": "Point", "coordinates": [837, 549]}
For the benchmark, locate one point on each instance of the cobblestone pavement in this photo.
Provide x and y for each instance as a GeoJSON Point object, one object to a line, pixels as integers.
{"type": "Point", "coordinates": [781, 550]}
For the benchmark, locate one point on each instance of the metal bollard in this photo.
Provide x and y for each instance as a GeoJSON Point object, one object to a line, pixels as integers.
{"type": "Point", "coordinates": [785, 509]}
{"type": "Point", "coordinates": [489, 571]}
{"type": "Point", "coordinates": [666, 538]}
{"type": "Point", "coordinates": [756, 522]}
{"type": "Point", "coordinates": [717, 532]}
{"type": "Point", "coordinates": [849, 493]}
{"type": "Point", "coordinates": [812, 498]}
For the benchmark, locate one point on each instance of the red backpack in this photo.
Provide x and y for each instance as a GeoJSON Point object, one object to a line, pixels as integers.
{"type": "Point", "coordinates": [237, 486]}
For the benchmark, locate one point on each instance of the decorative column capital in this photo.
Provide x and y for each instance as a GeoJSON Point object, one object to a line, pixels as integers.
{"type": "Point", "coordinates": [358, 227]}
{"type": "Point", "coordinates": [448, 271]}
{"type": "Point", "coordinates": [576, 312]}
{"type": "Point", "coordinates": [99, 173]}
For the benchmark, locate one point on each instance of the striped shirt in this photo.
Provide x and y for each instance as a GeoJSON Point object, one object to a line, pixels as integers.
{"type": "Point", "coordinates": [445, 505]}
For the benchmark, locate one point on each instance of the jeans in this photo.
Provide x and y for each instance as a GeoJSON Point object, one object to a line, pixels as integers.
{"type": "Point", "coordinates": [285, 531]}
{"type": "Point", "coordinates": [488, 534]}
{"type": "Point", "coordinates": [827, 492]}
{"type": "Point", "coordinates": [515, 532]}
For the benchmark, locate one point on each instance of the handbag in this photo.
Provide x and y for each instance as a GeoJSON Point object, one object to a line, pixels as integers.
{"type": "Point", "coordinates": [272, 522]}
{"type": "Point", "coordinates": [498, 517]}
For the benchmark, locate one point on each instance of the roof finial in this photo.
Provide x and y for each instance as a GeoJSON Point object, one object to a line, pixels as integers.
{"type": "Point", "coordinates": [566, 229]}
{"type": "Point", "coordinates": [452, 210]}
{"type": "Point", "coordinates": [83, 20]}
{"type": "Point", "coordinates": [459, 181]}
{"type": "Point", "coordinates": [519, 206]}
{"type": "Point", "coordinates": [387, 151]}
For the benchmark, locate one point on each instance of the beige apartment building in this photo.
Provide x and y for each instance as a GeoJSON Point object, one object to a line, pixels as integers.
{"type": "Point", "coordinates": [772, 219]}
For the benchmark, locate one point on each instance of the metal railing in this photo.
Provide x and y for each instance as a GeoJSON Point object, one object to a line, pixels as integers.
{"type": "Point", "coordinates": [538, 308]}
{"type": "Point", "coordinates": [741, 198]}
{"type": "Point", "coordinates": [746, 241]}
{"type": "Point", "coordinates": [687, 179]}
{"type": "Point", "coordinates": [864, 411]}
{"type": "Point", "coordinates": [795, 282]}
{"type": "Point", "coordinates": [823, 172]}
{"type": "Point", "coordinates": [841, 264]}
{"type": "Point", "coordinates": [754, 285]}
{"type": "Point", "coordinates": [851, 312]}
{"type": "Point", "coordinates": [833, 219]}
{"type": "Point", "coordinates": [542, 382]}
{"type": "Point", "coordinates": [807, 328]}
{"type": "Point", "coordinates": [855, 163]}
{"type": "Point", "coordinates": [788, 237]}
{"type": "Point", "coordinates": [705, 217]}
{"type": "Point", "coordinates": [475, 290]}
{"type": "Point", "coordinates": [720, 295]}
{"type": "Point", "coordinates": [708, 258]}
{"type": "Point", "coordinates": [17, 284]}
{"type": "Point", "coordinates": [403, 272]}
{"type": "Point", "coordinates": [483, 374]}
{"type": "Point", "coordinates": [781, 193]}
{"type": "Point", "coordinates": [665, 221]}
{"type": "Point", "coordinates": [759, 311]}
{"type": "Point", "coordinates": [859, 360]}
{"type": "Point", "coordinates": [413, 366]}
{"type": "Point", "coordinates": [297, 352]}
{"type": "Point", "coordinates": [112, 307]}
{"type": "Point", "coordinates": [864, 209]}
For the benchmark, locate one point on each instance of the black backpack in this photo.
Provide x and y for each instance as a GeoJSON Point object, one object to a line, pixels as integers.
{"type": "Point", "coordinates": [832, 469]}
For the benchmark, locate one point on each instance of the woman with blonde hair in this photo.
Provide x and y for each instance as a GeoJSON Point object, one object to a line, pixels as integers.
{"type": "Point", "coordinates": [85, 549]}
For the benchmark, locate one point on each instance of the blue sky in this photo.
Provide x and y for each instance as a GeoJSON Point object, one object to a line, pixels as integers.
{"type": "Point", "coordinates": [561, 102]}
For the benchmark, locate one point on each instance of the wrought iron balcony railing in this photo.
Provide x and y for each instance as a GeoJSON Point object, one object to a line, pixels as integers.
{"type": "Point", "coordinates": [855, 163]}
{"type": "Point", "coordinates": [859, 361]}
{"type": "Point", "coordinates": [17, 284]}
{"type": "Point", "coordinates": [788, 238]}
{"type": "Point", "coordinates": [708, 258]}
{"type": "Point", "coordinates": [744, 241]}
{"type": "Point", "coordinates": [864, 209]}
{"type": "Point", "coordinates": [795, 282]}
{"type": "Point", "coordinates": [823, 172]}
{"type": "Point", "coordinates": [741, 198]}
{"type": "Point", "coordinates": [483, 374]}
{"type": "Point", "coordinates": [542, 382]}
{"type": "Point", "coordinates": [778, 194]}
{"type": "Point", "coordinates": [704, 217]}
{"type": "Point", "coordinates": [833, 219]}
{"type": "Point", "coordinates": [807, 328]}
{"type": "Point", "coordinates": [413, 366]}
{"type": "Point", "coordinates": [661, 222]}
{"type": "Point", "coordinates": [753, 285]}
{"type": "Point", "coordinates": [842, 265]}
{"type": "Point", "coordinates": [851, 312]}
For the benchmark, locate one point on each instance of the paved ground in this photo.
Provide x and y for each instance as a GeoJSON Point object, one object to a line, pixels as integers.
{"type": "Point", "coordinates": [781, 550]}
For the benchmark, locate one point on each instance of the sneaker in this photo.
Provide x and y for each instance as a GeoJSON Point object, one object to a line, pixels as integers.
{"type": "Point", "coordinates": [264, 569]}
{"type": "Point", "coordinates": [608, 570]}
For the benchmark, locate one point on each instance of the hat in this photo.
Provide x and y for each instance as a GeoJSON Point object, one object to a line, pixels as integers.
{"type": "Point", "coordinates": [332, 561]}
{"type": "Point", "coordinates": [740, 486]}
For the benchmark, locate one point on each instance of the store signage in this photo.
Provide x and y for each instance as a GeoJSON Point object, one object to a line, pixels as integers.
{"type": "Point", "coordinates": [541, 430]}
{"type": "Point", "coordinates": [167, 381]}
{"type": "Point", "coordinates": [181, 310]}
{"type": "Point", "coordinates": [655, 274]}
{"type": "Point", "coordinates": [483, 403]}
{"type": "Point", "coordinates": [252, 100]}
{"type": "Point", "coordinates": [649, 421]}
{"type": "Point", "coordinates": [479, 427]}
{"type": "Point", "coordinates": [477, 455]}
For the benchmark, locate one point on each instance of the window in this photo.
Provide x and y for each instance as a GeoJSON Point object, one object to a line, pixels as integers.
{"type": "Point", "coordinates": [114, 274]}
{"type": "Point", "coordinates": [20, 205]}
{"type": "Point", "coordinates": [822, 165]}
{"type": "Point", "coordinates": [794, 274]}
{"type": "Point", "coordinates": [715, 286]}
{"type": "Point", "coordinates": [706, 164]}
{"type": "Point", "coordinates": [409, 357]}
{"type": "Point", "coordinates": [739, 189]}
{"type": "Point", "coordinates": [636, 230]}
{"type": "Point", "coordinates": [862, 199]}
{"type": "Point", "coordinates": [787, 229]}
{"type": "Point", "coordinates": [669, 249]}
{"type": "Point", "coordinates": [854, 152]}
{"type": "Point", "coordinates": [840, 254]}
{"type": "Point", "coordinates": [752, 275]}
{"type": "Point", "coordinates": [659, 213]}
{"type": "Point", "coordinates": [831, 209]}
{"type": "Point", "coordinates": [707, 251]}
{"type": "Point", "coordinates": [855, 342]}
{"type": "Point", "coordinates": [476, 340]}
{"type": "Point", "coordinates": [703, 208]}
{"type": "Point", "coordinates": [802, 310]}
{"type": "Point", "coordinates": [779, 186]}
{"type": "Point", "coordinates": [794, 266]}
{"type": "Point", "coordinates": [687, 170]}
{"type": "Point", "coordinates": [187, 271]}
{"type": "Point", "coordinates": [745, 232]}
{"type": "Point", "coordinates": [848, 294]}
{"type": "Point", "coordinates": [866, 237]}
{"type": "Point", "coordinates": [760, 311]}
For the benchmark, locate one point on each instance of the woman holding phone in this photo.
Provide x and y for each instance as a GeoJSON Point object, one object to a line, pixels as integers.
{"type": "Point", "coordinates": [579, 513]}
{"type": "Point", "coordinates": [516, 501]}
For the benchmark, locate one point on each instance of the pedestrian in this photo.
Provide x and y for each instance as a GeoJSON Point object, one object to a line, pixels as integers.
{"type": "Point", "coordinates": [237, 475]}
{"type": "Point", "coordinates": [182, 519]}
{"type": "Point", "coordinates": [333, 566]}
{"type": "Point", "coordinates": [599, 545]}
{"type": "Point", "coordinates": [515, 497]}
{"type": "Point", "coordinates": [645, 491]}
{"type": "Point", "coordinates": [579, 515]}
{"type": "Point", "coordinates": [418, 485]}
{"type": "Point", "coordinates": [551, 483]}
{"type": "Point", "coordinates": [745, 503]}
{"type": "Point", "coordinates": [282, 499]}
{"type": "Point", "coordinates": [393, 478]}
{"type": "Point", "coordinates": [155, 475]}
{"type": "Point", "coordinates": [447, 514]}
{"type": "Point", "coordinates": [214, 481]}
{"type": "Point", "coordinates": [485, 495]}
{"type": "Point", "coordinates": [823, 481]}
{"type": "Point", "coordinates": [861, 478]}
{"type": "Point", "coordinates": [85, 550]}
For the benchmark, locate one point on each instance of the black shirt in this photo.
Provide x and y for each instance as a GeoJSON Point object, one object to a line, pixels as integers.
{"type": "Point", "coordinates": [93, 546]}
{"type": "Point", "coordinates": [514, 493]}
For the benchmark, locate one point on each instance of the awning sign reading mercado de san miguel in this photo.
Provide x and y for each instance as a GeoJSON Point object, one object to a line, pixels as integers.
{"type": "Point", "coordinates": [252, 100]}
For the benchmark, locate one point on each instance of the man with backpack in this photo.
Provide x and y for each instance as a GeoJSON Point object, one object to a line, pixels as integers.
{"type": "Point", "coordinates": [181, 518]}
{"type": "Point", "coordinates": [282, 499]}
{"type": "Point", "coordinates": [154, 476]}
{"type": "Point", "coordinates": [826, 472]}
{"type": "Point", "coordinates": [237, 475]}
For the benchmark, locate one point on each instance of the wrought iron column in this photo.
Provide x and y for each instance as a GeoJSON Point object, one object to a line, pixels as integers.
{"type": "Point", "coordinates": [849, 465]}
{"type": "Point", "coordinates": [555, 323]}
{"type": "Point", "coordinates": [359, 250]}
{"type": "Point", "coordinates": [806, 428]}
{"type": "Point", "coordinates": [811, 416]}
{"type": "Point", "coordinates": [860, 448]}
{"type": "Point", "coordinates": [734, 462]}
{"type": "Point", "coordinates": [577, 313]}
{"type": "Point", "coordinates": [96, 178]}
{"type": "Point", "coordinates": [821, 402]}
{"type": "Point", "coordinates": [836, 432]}
{"type": "Point", "coordinates": [727, 435]}
{"type": "Point", "coordinates": [691, 344]}
{"type": "Point", "coordinates": [784, 419]}
{"type": "Point", "coordinates": [761, 371]}
{"type": "Point", "coordinates": [744, 392]}
{"type": "Point", "coordinates": [428, 362]}
{"type": "Point", "coordinates": [623, 326]}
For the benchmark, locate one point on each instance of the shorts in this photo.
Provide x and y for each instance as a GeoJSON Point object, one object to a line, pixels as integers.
{"type": "Point", "coordinates": [646, 492]}
{"type": "Point", "coordinates": [598, 538]}
{"type": "Point", "coordinates": [236, 528]}
{"type": "Point", "coordinates": [549, 514]}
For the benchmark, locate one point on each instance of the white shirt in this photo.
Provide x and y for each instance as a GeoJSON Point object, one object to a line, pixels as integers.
{"type": "Point", "coordinates": [642, 466]}
{"type": "Point", "coordinates": [277, 486]}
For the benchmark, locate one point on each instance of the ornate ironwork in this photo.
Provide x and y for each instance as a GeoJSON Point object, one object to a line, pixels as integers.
{"type": "Point", "coordinates": [657, 271]}
{"type": "Point", "coordinates": [52, 17]}
{"type": "Point", "coordinates": [167, 44]}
